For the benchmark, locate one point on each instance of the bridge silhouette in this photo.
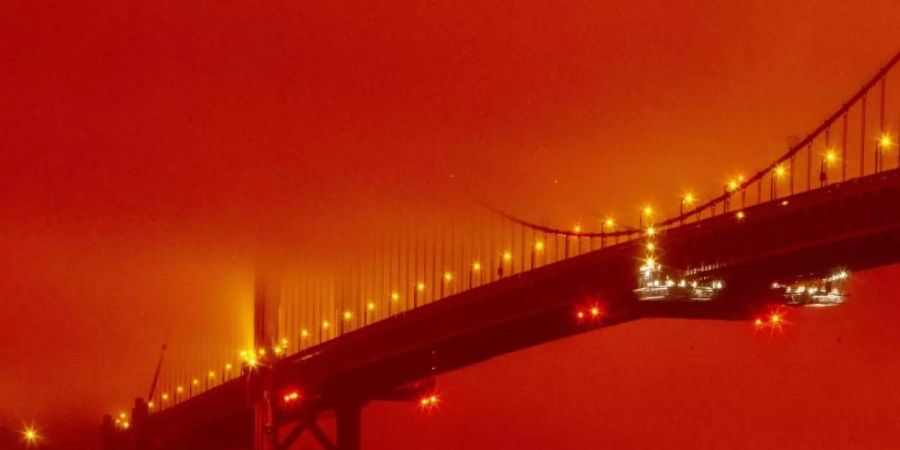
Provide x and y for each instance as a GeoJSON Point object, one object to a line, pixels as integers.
{"type": "Point", "coordinates": [422, 304]}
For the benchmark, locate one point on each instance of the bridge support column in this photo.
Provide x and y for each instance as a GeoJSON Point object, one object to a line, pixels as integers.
{"type": "Point", "coordinates": [107, 434]}
{"type": "Point", "coordinates": [266, 303]}
{"type": "Point", "coordinates": [265, 429]}
{"type": "Point", "coordinates": [349, 426]}
{"type": "Point", "coordinates": [139, 432]}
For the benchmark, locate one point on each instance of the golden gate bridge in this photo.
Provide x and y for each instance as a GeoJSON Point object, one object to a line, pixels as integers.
{"type": "Point", "coordinates": [417, 303]}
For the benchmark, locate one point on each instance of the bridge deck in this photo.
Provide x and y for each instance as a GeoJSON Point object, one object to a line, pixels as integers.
{"type": "Point", "coordinates": [855, 224]}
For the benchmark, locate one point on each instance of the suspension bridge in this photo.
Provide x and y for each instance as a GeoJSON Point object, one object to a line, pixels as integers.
{"type": "Point", "coordinates": [390, 319]}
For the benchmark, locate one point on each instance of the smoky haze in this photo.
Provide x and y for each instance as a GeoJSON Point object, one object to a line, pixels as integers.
{"type": "Point", "coordinates": [154, 155]}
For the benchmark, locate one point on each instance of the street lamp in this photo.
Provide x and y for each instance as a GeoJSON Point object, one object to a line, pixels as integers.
{"type": "Point", "coordinates": [884, 143]}
{"type": "Point", "coordinates": [538, 248]}
{"type": "Point", "coordinates": [420, 288]}
{"type": "Point", "coordinates": [686, 199]}
{"type": "Point", "coordinates": [505, 258]}
{"type": "Point", "coordinates": [448, 277]}
{"type": "Point", "coordinates": [30, 436]}
{"type": "Point", "coordinates": [779, 171]}
{"type": "Point", "coordinates": [606, 226]}
{"type": "Point", "coordinates": [577, 230]}
{"type": "Point", "coordinates": [646, 211]}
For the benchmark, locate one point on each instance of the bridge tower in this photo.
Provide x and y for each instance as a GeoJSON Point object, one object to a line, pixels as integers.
{"type": "Point", "coordinates": [263, 390]}
{"type": "Point", "coordinates": [266, 302]}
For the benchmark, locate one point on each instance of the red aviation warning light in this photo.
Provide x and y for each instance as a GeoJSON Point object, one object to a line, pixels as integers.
{"type": "Point", "coordinates": [429, 401]}
{"type": "Point", "coordinates": [773, 321]}
{"type": "Point", "coordinates": [593, 312]}
{"type": "Point", "coordinates": [291, 396]}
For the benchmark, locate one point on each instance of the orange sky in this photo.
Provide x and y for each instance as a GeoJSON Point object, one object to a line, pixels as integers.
{"type": "Point", "coordinates": [150, 153]}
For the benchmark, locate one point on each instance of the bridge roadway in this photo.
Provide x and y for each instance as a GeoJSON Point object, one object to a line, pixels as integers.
{"type": "Point", "coordinates": [853, 225]}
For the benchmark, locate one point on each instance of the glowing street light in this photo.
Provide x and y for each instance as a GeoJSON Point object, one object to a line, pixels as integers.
{"type": "Point", "coordinates": [687, 199]}
{"type": "Point", "coordinates": [732, 185]}
{"type": "Point", "coordinates": [347, 316]}
{"type": "Point", "coordinates": [395, 296]}
{"type": "Point", "coordinates": [828, 159]}
{"type": "Point", "coordinates": [304, 333]}
{"type": "Point", "coordinates": [780, 171]}
{"type": "Point", "coordinates": [420, 288]}
{"type": "Point", "coordinates": [30, 436]}
{"type": "Point", "coordinates": [538, 247]}
{"type": "Point", "coordinates": [740, 215]}
{"type": "Point", "coordinates": [651, 231]}
{"type": "Point", "coordinates": [369, 306]}
{"type": "Point", "coordinates": [647, 212]}
{"type": "Point", "coordinates": [476, 268]}
{"type": "Point", "coordinates": [447, 278]}
{"type": "Point", "coordinates": [651, 246]}
{"type": "Point", "coordinates": [884, 144]}
{"type": "Point", "coordinates": [607, 225]}
{"type": "Point", "coordinates": [577, 228]}
{"type": "Point", "coordinates": [505, 258]}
